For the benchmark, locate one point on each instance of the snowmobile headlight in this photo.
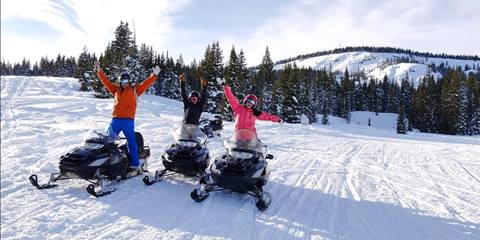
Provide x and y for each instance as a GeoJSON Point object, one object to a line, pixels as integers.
{"type": "Point", "coordinates": [98, 162]}
{"type": "Point", "coordinates": [186, 143]}
{"type": "Point", "coordinates": [244, 155]}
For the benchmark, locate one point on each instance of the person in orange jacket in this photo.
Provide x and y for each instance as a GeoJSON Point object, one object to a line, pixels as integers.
{"type": "Point", "coordinates": [124, 108]}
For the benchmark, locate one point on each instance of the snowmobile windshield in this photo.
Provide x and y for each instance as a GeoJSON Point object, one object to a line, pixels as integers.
{"type": "Point", "coordinates": [96, 138]}
{"type": "Point", "coordinates": [245, 139]}
{"type": "Point", "coordinates": [189, 132]}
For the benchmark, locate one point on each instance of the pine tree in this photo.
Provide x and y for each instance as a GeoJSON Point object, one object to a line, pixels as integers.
{"type": "Point", "coordinates": [231, 79]}
{"type": "Point", "coordinates": [473, 105]}
{"type": "Point", "coordinates": [180, 65]}
{"type": "Point", "coordinates": [461, 123]}
{"type": "Point", "coordinates": [242, 74]}
{"type": "Point", "coordinates": [264, 81]}
{"type": "Point", "coordinates": [212, 70]}
{"type": "Point", "coordinates": [288, 104]}
{"type": "Point", "coordinates": [405, 99]}
{"type": "Point", "coordinates": [453, 103]}
{"type": "Point", "coordinates": [384, 96]}
{"type": "Point", "coordinates": [84, 70]}
{"type": "Point", "coordinates": [345, 95]}
{"type": "Point", "coordinates": [401, 121]}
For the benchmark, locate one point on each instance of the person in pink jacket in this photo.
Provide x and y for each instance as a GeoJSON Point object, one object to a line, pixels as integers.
{"type": "Point", "coordinates": [247, 114]}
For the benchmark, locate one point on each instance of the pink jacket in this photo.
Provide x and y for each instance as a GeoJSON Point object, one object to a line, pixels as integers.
{"type": "Point", "coordinates": [245, 117]}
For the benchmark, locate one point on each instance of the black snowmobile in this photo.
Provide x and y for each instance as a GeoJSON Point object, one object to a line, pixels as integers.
{"type": "Point", "coordinates": [187, 155]}
{"type": "Point", "coordinates": [211, 125]}
{"type": "Point", "coordinates": [101, 161]}
{"type": "Point", "coordinates": [243, 168]}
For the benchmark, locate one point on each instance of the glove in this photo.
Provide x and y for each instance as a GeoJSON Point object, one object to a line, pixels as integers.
{"type": "Point", "coordinates": [96, 66]}
{"type": "Point", "coordinates": [181, 77]}
{"type": "Point", "coordinates": [156, 70]}
{"type": "Point", "coordinates": [203, 82]}
{"type": "Point", "coordinates": [221, 81]}
{"type": "Point", "coordinates": [276, 119]}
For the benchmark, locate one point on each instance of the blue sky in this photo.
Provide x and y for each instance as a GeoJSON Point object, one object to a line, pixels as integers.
{"type": "Point", "coordinates": [35, 28]}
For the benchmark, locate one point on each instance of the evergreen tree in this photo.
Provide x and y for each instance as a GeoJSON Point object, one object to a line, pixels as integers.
{"type": "Point", "coordinates": [473, 105]}
{"type": "Point", "coordinates": [231, 79]}
{"type": "Point", "coordinates": [383, 94]}
{"type": "Point", "coordinates": [84, 71]}
{"type": "Point", "coordinates": [450, 108]}
{"type": "Point", "coordinates": [325, 118]}
{"type": "Point", "coordinates": [401, 121]}
{"type": "Point", "coordinates": [242, 74]}
{"type": "Point", "coordinates": [462, 121]}
{"type": "Point", "coordinates": [264, 81]}
{"type": "Point", "coordinates": [288, 104]}
{"type": "Point", "coordinates": [345, 96]}
{"type": "Point", "coordinates": [6, 68]}
{"type": "Point", "coordinates": [212, 70]}
{"type": "Point", "coordinates": [405, 99]}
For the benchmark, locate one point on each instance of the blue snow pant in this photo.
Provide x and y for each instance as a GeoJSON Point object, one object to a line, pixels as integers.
{"type": "Point", "coordinates": [127, 126]}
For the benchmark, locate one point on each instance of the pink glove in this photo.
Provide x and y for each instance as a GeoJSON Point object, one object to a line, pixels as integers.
{"type": "Point", "coordinates": [276, 119]}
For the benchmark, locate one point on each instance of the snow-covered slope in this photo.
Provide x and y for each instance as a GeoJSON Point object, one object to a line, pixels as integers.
{"type": "Point", "coordinates": [336, 182]}
{"type": "Point", "coordinates": [377, 65]}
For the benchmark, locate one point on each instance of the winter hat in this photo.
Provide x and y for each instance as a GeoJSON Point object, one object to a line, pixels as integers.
{"type": "Point", "coordinates": [125, 76]}
{"type": "Point", "coordinates": [194, 94]}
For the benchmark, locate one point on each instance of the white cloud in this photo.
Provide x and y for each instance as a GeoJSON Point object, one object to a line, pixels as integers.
{"type": "Point", "coordinates": [153, 22]}
{"type": "Point", "coordinates": [308, 26]}
{"type": "Point", "coordinates": [299, 27]}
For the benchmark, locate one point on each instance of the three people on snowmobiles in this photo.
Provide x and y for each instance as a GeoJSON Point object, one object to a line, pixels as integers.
{"type": "Point", "coordinates": [124, 108]}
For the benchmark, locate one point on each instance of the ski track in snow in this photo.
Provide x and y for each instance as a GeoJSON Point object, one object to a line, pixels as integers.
{"type": "Point", "coordinates": [336, 182]}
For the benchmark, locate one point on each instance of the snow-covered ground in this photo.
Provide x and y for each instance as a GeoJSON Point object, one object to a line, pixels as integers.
{"type": "Point", "coordinates": [327, 182]}
{"type": "Point", "coordinates": [377, 65]}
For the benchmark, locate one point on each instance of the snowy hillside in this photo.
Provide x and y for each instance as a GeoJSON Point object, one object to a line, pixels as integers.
{"type": "Point", "coordinates": [327, 182]}
{"type": "Point", "coordinates": [377, 65]}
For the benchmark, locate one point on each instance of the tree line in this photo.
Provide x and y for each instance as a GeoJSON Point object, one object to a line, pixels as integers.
{"type": "Point", "coordinates": [61, 66]}
{"type": "Point", "coordinates": [448, 105]}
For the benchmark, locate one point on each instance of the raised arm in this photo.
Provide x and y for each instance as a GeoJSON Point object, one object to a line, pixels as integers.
{"type": "Point", "coordinates": [231, 98]}
{"type": "Point", "coordinates": [183, 92]}
{"type": "Point", "coordinates": [112, 88]}
{"type": "Point", "coordinates": [203, 100]}
{"type": "Point", "coordinates": [142, 87]}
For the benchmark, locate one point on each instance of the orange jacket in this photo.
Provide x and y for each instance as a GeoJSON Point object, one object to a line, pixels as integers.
{"type": "Point", "coordinates": [125, 100]}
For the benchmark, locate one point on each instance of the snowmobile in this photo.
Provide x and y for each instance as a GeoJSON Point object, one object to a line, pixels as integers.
{"type": "Point", "coordinates": [211, 125]}
{"type": "Point", "coordinates": [102, 161]}
{"type": "Point", "coordinates": [187, 155]}
{"type": "Point", "coordinates": [243, 169]}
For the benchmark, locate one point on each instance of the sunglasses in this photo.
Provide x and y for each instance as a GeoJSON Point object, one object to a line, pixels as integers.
{"type": "Point", "coordinates": [193, 99]}
{"type": "Point", "coordinates": [124, 81]}
{"type": "Point", "coordinates": [251, 101]}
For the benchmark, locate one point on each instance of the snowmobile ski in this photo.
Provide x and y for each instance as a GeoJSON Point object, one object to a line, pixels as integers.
{"type": "Point", "coordinates": [53, 178]}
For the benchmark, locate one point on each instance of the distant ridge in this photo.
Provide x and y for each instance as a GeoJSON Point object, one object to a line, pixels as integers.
{"type": "Point", "coordinates": [379, 50]}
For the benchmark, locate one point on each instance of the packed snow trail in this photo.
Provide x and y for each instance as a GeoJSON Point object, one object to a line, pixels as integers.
{"type": "Point", "coordinates": [336, 182]}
